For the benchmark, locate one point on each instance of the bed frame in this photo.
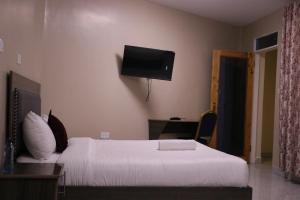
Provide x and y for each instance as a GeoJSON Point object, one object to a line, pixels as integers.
{"type": "Point", "coordinates": [23, 95]}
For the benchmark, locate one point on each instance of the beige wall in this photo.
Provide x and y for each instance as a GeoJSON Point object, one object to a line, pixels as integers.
{"type": "Point", "coordinates": [21, 26]}
{"type": "Point", "coordinates": [74, 48]}
{"type": "Point", "coordinates": [268, 24]}
{"type": "Point", "coordinates": [268, 102]}
{"type": "Point", "coordinates": [84, 49]}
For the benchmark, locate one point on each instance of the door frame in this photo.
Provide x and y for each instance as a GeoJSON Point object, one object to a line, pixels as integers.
{"type": "Point", "coordinates": [256, 134]}
{"type": "Point", "coordinates": [249, 95]}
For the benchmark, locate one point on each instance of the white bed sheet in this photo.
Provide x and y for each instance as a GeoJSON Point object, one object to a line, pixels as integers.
{"type": "Point", "coordinates": [90, 162]}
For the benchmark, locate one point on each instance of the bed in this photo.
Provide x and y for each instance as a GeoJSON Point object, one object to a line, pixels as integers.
{"type": "Point", "coordinates": [131, 169]}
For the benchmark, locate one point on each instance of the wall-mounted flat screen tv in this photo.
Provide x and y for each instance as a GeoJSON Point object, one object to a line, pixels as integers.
{"type": "Point", "coordinates": [147, 63]}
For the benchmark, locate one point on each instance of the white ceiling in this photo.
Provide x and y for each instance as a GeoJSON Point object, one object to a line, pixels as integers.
{"type": "Point", "coordinates": [235, 12]}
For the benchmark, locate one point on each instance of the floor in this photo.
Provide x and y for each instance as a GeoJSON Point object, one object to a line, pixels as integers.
{"type": "Point", "coordinates": [268, 185]}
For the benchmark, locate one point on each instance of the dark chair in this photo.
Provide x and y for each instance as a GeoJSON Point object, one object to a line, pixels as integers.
{"type": "Point", "coordinates": [206, 127]}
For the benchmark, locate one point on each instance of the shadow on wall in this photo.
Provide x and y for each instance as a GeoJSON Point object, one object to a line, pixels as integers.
{"type": "Point", "coordinates": [136, 86]}
{"type": "Point", "coordinates": [3, 80]}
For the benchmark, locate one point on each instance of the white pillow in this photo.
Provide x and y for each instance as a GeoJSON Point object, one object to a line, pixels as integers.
{"type": "Point", "coordinates": [38, 136]}
{"type": "Point", "coordinates": [45, 117]}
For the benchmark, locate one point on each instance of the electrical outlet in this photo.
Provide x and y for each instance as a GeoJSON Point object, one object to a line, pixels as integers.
{"type": "Point", "coordinates": [104, 135]}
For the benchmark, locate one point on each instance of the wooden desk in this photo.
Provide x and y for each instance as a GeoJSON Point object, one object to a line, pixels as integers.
{"type": "Point", "coordinates": [182, 129]}
{"type": "Point", "coordinates": [31, 182]}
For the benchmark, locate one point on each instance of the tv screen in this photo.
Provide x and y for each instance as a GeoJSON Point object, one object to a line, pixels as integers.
{"type": "Point", "coordinates": [147, 63]}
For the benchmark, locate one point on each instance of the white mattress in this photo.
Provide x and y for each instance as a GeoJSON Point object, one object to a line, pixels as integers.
{"type": "Point", "coordinates": [26, 158]}
{"type": "Point", "coordinates": [90, 162]}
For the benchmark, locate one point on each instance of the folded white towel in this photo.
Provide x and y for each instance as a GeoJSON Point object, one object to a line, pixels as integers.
{"type": "Point", "coordinates": [176, 145]}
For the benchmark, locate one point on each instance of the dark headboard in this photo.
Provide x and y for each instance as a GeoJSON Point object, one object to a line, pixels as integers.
{"type": "Point", "coordinates": [23, 95]}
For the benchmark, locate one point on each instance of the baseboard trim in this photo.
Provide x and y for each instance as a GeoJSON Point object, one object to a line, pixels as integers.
{"type": "Point", "coordinates": [266, 155]}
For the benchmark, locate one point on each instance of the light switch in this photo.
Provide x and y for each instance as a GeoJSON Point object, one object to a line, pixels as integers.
{"type": "Point", "coordinates": [1, 45]}
{"type": "Point", "coordinates": [104, 135]}
{"type": "Point", "coordinates": [19, 59]}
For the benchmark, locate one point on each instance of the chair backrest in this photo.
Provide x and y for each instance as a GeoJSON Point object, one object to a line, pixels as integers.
{"type": "Point", "coordinates": [207, 125]}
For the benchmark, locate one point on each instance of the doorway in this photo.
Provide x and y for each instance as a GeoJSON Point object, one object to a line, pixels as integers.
{"type": "Point", "coordinates": [231, 99]}
{"type": "Point", "coordinates": [266, 106]}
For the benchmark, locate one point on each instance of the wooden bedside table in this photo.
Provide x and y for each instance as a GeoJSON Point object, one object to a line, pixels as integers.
{"type": "Point", "coordinates": [31, 182]}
